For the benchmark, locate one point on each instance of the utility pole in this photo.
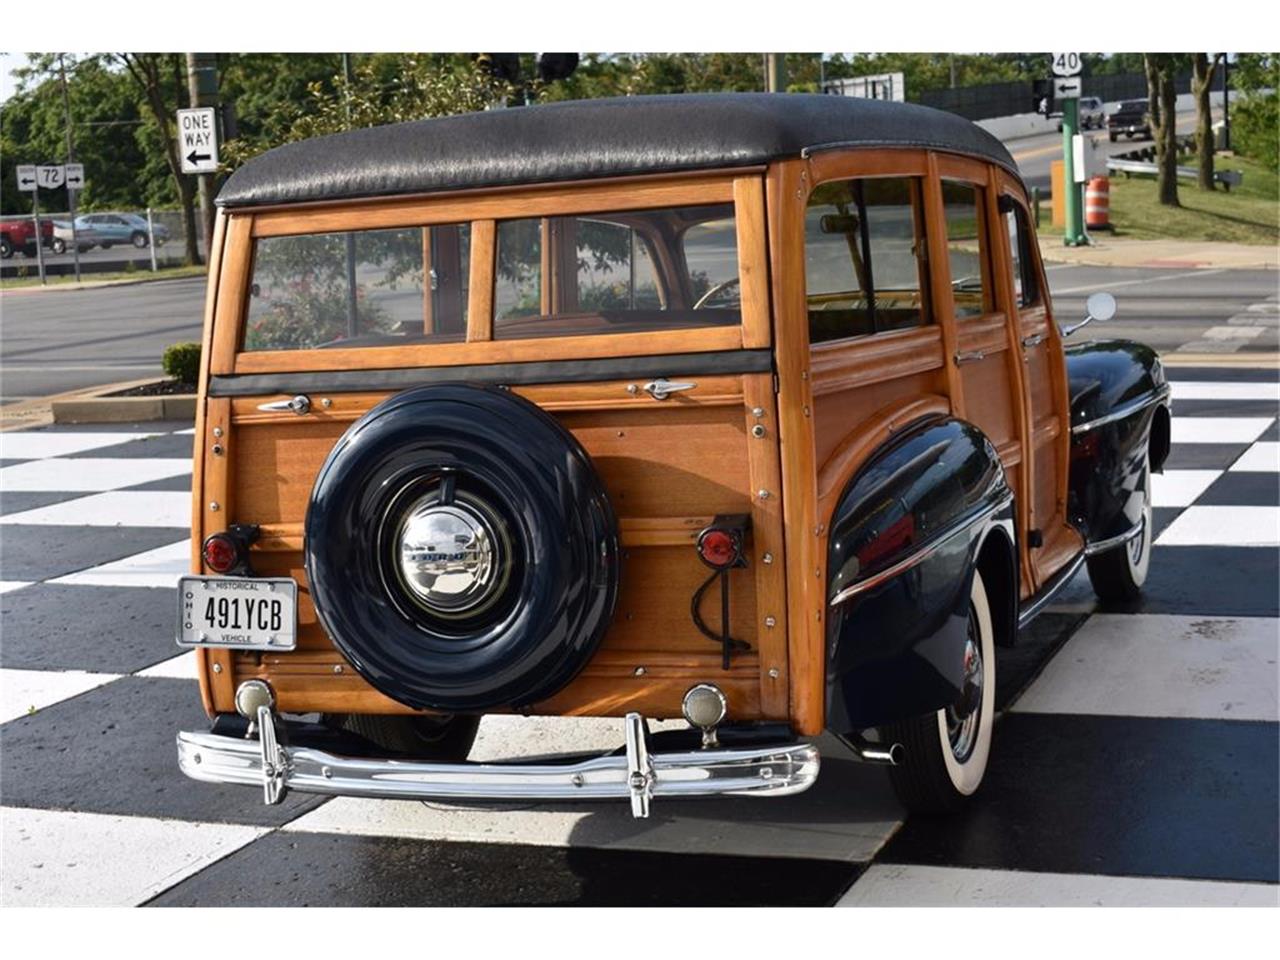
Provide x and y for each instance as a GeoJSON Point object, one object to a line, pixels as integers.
{"type": "Point", "coordinates": [71, 157]}
{"type": "Point", "coordinates": [202, 86]}
{"type": "Point", "coordinates": [1226, 101]}
{"type": "Point", "coordinates": [775, 72]}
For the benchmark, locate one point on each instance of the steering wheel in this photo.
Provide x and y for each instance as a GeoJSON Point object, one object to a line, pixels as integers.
{"type": "Point", "coordinates": [717, 289]}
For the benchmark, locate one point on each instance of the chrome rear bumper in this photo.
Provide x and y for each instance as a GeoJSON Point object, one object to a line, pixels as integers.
{"type": "Point", "coordinates": [771, 770]}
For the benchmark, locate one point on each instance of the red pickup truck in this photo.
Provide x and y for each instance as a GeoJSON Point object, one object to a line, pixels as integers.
{"type": "Point", "coordinates": [19, 233]}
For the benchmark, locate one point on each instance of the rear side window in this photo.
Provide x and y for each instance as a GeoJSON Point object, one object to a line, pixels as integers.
{"type": "Point", "coordinates": [360, 288]}
{"type": "Point", "coordinates": [865, 269]}
{"type": "Point", "coordinates": [962, 205]}
{"type": "Point", "coordinates": [625, 272]}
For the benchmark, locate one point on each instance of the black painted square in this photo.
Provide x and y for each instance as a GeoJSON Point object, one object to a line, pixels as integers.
{"type": "Point", "coordinates": [41, 551]}
{"type": "Point", "coordinates": [1125, 796]}
{"type": "Point", "coordinates": [50, 626]}
{"type": "Point", "coordinates": [180, 483]}
{"type": "Point", "coordinates": [112, 750]}
{"type": "Point", "coordinates": [1243, 488]}
{"type": "Point", "coordinates": [309, 869]}
{"type": "Point", "coordinates": [167, 446]}
{"type": "Point", "coordinates": [17, 501]}
{"type": "Point", "coordinates": [1204, 456]}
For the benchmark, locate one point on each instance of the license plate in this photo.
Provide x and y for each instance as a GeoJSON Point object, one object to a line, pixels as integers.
{"type": "Point", "coordinates": [239, 612]}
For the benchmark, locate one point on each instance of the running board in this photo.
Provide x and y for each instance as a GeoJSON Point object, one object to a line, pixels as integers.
{"type": "Point", "coordinates": [1035, 604]}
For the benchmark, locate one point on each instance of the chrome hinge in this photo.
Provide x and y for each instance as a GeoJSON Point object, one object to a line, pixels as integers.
{"type": "Point", "coordinates": [969, 357]}
{"type": "Point", "coordinates": [1034, 340]}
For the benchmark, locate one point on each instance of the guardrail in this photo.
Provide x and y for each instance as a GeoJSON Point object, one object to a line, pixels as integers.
{"type": "Point", "coordinates": [1142, 162]}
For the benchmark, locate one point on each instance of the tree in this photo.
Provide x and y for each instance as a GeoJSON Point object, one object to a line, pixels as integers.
{"type": "Point", "coordinates": [1163, 101]}
{"type": "Point", "coordinates": [1203, 71]}
{"type": "Point", "coordinates": [161, 79]}
{"type": "Point", "coordinates": [1255, 117]}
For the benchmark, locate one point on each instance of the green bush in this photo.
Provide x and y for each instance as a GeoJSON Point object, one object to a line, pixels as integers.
{"type": "Point", "coordinates": [1255, 128]}
{"type": "Point", "coordinates": [182, 362]}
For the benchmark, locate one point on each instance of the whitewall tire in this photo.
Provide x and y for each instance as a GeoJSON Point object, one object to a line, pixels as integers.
{"type": "Point", "coordinates": [946, 753]}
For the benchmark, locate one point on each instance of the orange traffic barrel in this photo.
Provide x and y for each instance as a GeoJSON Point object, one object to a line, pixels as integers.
{"type": "Point", "coordinates": [1097, 204]}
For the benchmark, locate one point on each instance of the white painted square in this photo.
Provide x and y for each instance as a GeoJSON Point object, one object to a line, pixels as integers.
{"type": "Point", "coordinates": [847, 815]}
{"type": "Point", "coordinates": [1232, 333]}
{"type": "Point", "coordinates": [115, 508]}
{"type": "Point", "coordinates": [897, 885]}
{"type": "Point", "coordinates": [160, 567]}
{"type": "Point", "coordinates": [1219, 429]}
{"type": "Point", "coordinates": [89, 473]}
{"type": "Point", "coordinates": [1147, 665]}
{"type": "Point", "coordinates": [7, 586]}
{"type": "Point", "coordinates": [1223, 527]}
{"type": "Point", "coordinates": [56, 858]}
{"type": "Point", "coordinates": [1262, 457]}
{"type": "Point", "coordinates": [26, 691]}
{"type": "Point", "coordinates": [181, 667]}
{"type": "Point", "coordinates": [1179, 488]}
{"type": "Point", "coordinates": [1214, 390]}
{"type": "Point", "coordinates": [39, 446]}
{"type": "Point", "coordinates": [189, 432]}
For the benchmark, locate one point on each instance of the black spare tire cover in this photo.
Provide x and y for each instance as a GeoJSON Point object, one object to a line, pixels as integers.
{"type": "Point", "coordinates": [461, 550]}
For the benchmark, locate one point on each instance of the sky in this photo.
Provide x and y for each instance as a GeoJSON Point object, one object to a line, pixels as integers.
{"type": "Point", "coordinates": [7, 62]}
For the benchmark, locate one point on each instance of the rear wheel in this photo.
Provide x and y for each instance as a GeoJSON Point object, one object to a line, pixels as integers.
{"type": "Point", "coordinates": [946, 752]}
{"type": "Point", "coordinates": [59, 245]}
{"type": "Point", "coordinates": [6, 248]}
{"type": "Point", "coordinates": [139, 239]}
{"type": "Point", "coordinates": [1118, 574]}
{"type": "Point", "coordinates": [440, 738]}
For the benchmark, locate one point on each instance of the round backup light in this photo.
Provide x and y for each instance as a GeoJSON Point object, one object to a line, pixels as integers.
{"type": "Point", "coordinates": [718, 548]}
{"type": "Point", "coordinates": [221, 554]}
{"type": "Point", "coordinates": [704, 706]}
{"type": "Point", "coordinates": [251, 695]}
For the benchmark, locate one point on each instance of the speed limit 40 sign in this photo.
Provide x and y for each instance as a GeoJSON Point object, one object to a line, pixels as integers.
{"type": "Point", "coordinates": [1065, 64]}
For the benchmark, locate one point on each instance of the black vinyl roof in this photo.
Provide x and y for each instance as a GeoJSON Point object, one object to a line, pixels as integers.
{"type": "Point", "coordinates": [583, 139]}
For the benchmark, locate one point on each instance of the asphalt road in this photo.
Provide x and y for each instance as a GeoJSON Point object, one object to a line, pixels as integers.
{"type": "Point", "coordinates": [1034, 154]}
{"type": "Point", "coordinates": [60, 340]}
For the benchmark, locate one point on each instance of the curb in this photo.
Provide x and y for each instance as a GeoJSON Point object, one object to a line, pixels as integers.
{"type": "Point", "coordinates": [124, 409]}
{"type": "Point", "coordinates": [23, 291]}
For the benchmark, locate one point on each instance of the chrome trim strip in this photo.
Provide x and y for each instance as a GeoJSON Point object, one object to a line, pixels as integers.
{"type": "Point", "coordinates": [964, 523]}
{"type": "Point", "coordinates": [1121, 412]}
{"type": "Point", "coordinates": [1101, 546]}
{"type": "Point", "coordinates": [771, 770]}
{"type": "Point", "coordinates": [1064, 576]}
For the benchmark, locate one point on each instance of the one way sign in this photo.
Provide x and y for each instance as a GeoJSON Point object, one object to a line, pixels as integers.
{"type": "Point", "coordinates": [1066, 88]}
{"type": "Point", "coordinates": [198, 140]}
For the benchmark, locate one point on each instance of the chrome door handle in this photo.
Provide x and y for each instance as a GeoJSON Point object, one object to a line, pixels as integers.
{"type": "Point", "coordinates": [1034, 340]}
{"type": "Point", "coordinates": [300, 404]}
{"type": "Point", "coordinates": [969, 357]}
{"type": "Point", "coordinates": [662, 388]}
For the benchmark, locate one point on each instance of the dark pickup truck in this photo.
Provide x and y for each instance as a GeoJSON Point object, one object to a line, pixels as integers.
{"type": "Point", "coordinates": [19, 233]}
{"type": "Point", "coordinates": [1130, 118]}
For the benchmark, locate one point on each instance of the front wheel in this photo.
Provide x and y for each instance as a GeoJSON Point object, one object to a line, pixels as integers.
{"type": "Point", "coordinates": [1118, 575]}
{"type": "Point", "coordinates": [946, 752]}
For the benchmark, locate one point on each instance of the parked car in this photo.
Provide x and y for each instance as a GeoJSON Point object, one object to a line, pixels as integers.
{"type": "Point", "coordinates": [63, 236]}
{"type": "Point", "coordinates": [19, 233]}
{"type": "Point", "coordinates": [747, 408]}
{"type": "Point", "coordinates": [113, 228]}
{"type": "Point", "coordinates": [1091, 114]}
{"type": "Point", "coordinates": [1129, 118]}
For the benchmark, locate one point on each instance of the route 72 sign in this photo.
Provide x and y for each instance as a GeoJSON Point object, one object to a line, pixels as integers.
{"type": "Point", "coordinates": [1065, 64]}
{"type": "Point", "coordinates": [198, 140]}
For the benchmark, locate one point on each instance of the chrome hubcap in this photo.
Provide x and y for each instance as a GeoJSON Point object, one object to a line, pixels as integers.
{"type": "Point", "coordinates": [962, 717]}
{"type": "Point", "coordinates": [448, 556]}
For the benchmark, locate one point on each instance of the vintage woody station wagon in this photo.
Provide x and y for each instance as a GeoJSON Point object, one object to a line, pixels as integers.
{"type": "Point", "coordinates": [747, 408]}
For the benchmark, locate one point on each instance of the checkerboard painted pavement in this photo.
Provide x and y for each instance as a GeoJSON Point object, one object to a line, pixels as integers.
{"type": "Point", "coordinates": [1135, 759]}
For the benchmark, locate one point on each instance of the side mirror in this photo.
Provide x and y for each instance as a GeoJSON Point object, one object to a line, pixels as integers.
{"type": "Point", "coordinates": [1099, 306]}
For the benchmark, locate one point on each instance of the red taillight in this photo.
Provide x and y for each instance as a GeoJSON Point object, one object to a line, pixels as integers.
{"type": "Point", "coordinates": [221, 553]}
{"type": "Point", "coordinates": [719, 548]}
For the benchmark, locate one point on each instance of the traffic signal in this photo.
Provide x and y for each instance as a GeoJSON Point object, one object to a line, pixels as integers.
{"type": "Point", "coordinates": [556, 66]}
{"type": "Point", "coordinates": [1042, 97]}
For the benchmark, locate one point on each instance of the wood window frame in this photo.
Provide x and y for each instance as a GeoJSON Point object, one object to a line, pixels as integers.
{"type": "Point", "coordinates": [482, 209]}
